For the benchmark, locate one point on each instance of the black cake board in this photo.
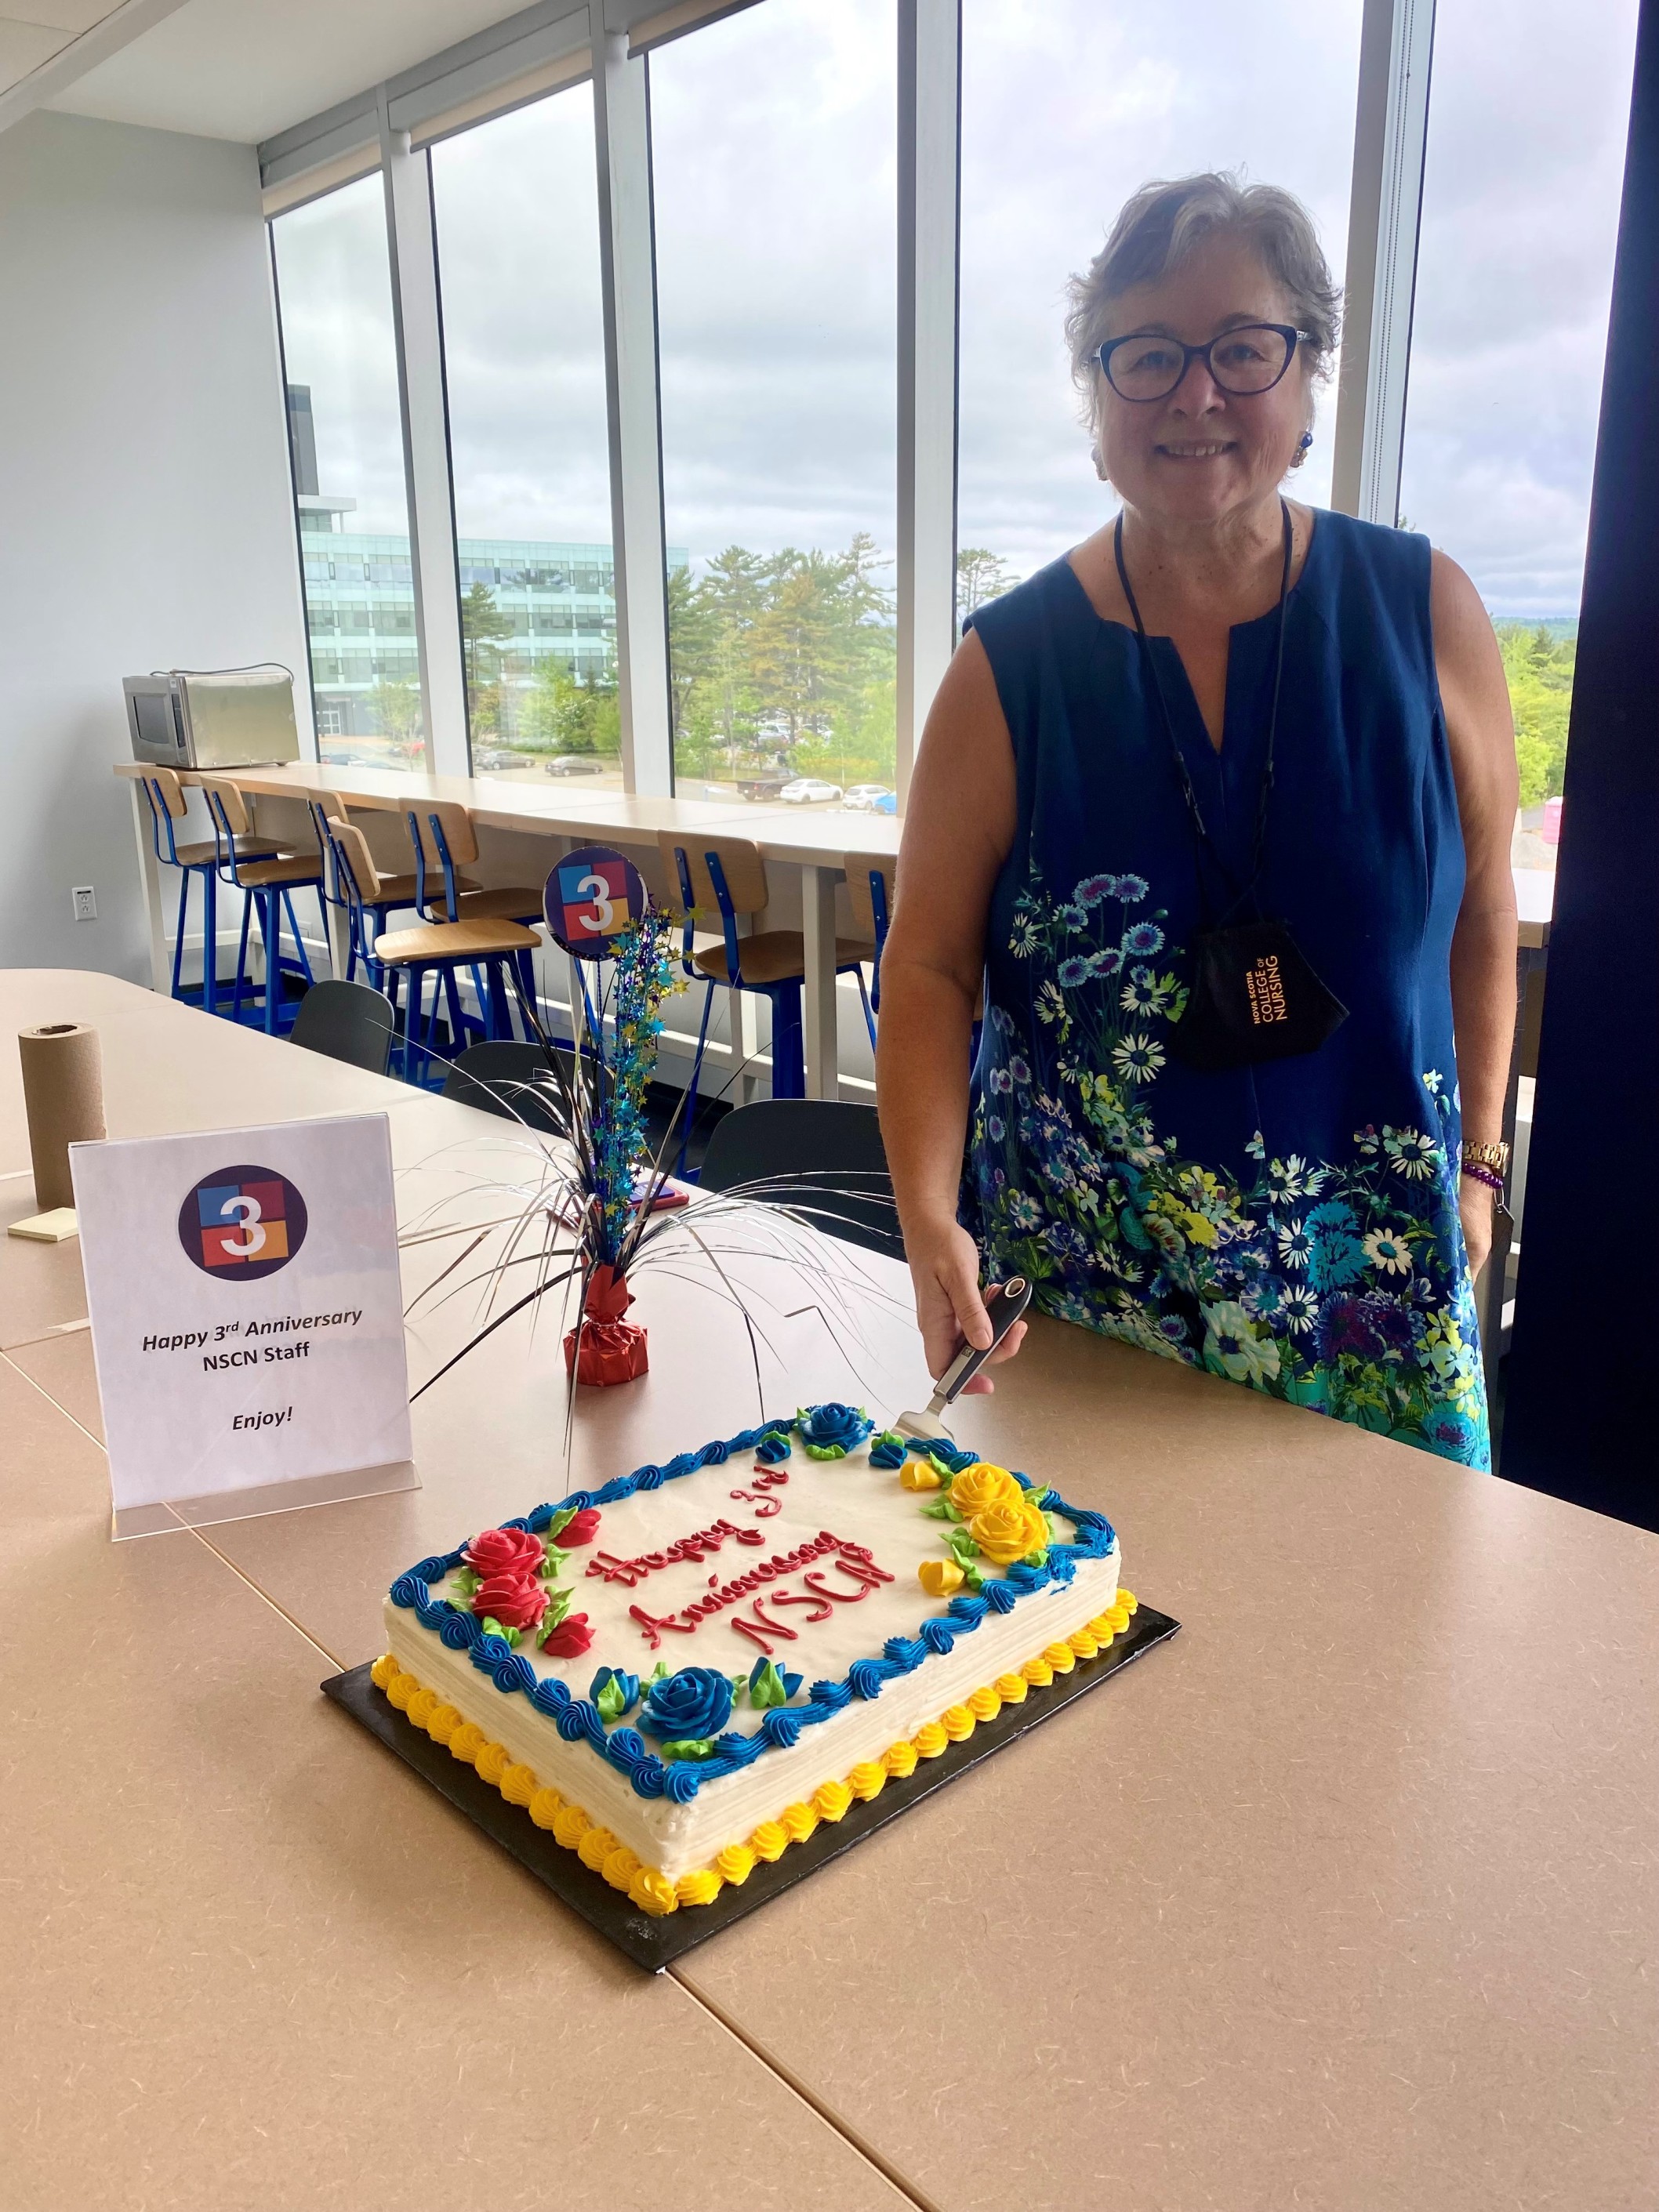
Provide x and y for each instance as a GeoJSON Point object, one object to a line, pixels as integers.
{"type": "Point", "coordinates": [655, 1942]}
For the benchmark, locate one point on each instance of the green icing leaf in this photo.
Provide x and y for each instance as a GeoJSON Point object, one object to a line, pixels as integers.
{"type": "Point", "coordinates": [659, 1673]}
{"type": "Point", "coordinates": [560, 1520]}
{"type": "Point", "coordinates": [554, 1559]}
{"type": "Point", "coordinates": [693, 1747]}
{"type": "Point", "coordinates": [740, 1684]}
{"type": "Point", "coordinates": [558, 1604]}
{"type": "Point", "coordinates": [611, 1701]}
{"type": "Point", "coordinates": [823, 1451]}
{"type": "Point", "coordinates": [963, 1547]}
{"type": "Point", "coordinates": [493, 1627]}
{"type": "Point", "coordinates": [941, 1510]}
{"type": "Point", "coordinates": [768, 1688]}
{"type": "Point", "coordinates": [466, 1582]}
{"type": "Point", "coordinates": [971, 1577]}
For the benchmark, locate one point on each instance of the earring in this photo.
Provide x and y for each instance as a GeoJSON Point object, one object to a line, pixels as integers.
{"type": "Point", "coordinates": [1301, 453]}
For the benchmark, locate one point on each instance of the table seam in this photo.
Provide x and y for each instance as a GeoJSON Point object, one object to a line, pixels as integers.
{"type": "Point", "coordinates": [860, 2144]}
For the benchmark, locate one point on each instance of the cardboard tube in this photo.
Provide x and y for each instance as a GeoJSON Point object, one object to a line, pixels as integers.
{"type": "Point", "coordinates": [64, 1098]}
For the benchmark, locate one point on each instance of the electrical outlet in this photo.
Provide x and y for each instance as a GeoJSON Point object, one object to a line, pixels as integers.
{"type": "Point", "coordinates": [86, 902]}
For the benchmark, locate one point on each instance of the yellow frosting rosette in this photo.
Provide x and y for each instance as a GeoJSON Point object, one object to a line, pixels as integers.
{"type": "Point", "coordinates": [1006, 1533]}
{"type": "Point", "coordinates": [978, 1488]}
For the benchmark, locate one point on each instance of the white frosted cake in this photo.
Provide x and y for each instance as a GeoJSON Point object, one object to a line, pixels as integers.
{"type": "Point", "coordinates": [686, 1671]}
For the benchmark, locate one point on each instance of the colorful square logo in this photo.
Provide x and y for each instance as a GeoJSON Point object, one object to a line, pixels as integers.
{"type": "Point", "coordinates": [242, 1223]}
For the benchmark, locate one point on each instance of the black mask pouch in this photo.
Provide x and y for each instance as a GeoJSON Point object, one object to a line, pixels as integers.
{"type": "Point", "coordinates": [1253, 994]}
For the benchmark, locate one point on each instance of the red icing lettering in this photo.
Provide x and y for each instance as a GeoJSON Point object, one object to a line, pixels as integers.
{"type": "Point", "coordinates": [821, 1610]}
{"type": "Point", "coordinates": [751, 1535]}
{"type": "Point", "coordinates": [842, 1598]}
{"type": "Point", "coordinates": [651, 1622]}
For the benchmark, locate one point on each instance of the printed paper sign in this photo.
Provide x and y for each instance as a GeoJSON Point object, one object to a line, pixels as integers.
{"type": "Point", "coordinates": [246, 1307]}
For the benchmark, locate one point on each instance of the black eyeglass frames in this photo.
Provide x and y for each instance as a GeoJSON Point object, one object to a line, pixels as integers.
{"type": "Point", "coordinates": [1245, 362]}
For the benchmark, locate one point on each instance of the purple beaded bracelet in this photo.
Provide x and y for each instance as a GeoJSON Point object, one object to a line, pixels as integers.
{"type": "Point", "coordinates": [1482, 1173]}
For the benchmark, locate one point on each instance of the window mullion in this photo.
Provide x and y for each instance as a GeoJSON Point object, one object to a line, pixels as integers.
{"type": "Point", "coordinates": [417, 324]}
{"type": "Point", "coordinates": [1390, 138]}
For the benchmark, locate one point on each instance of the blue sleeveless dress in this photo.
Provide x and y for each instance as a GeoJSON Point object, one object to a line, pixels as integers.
{"type": "Point", "coordinates": [1291, 1225]}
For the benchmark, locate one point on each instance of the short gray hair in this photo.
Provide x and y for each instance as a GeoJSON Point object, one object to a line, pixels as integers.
{"type": "Point", "coordinates": [1160, 227]}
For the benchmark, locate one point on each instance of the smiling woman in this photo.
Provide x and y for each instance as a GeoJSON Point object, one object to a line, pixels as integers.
{"type": "Point", "coordinates": [1217, 807]}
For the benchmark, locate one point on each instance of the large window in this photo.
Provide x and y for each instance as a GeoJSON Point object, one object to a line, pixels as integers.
{"type": "Point", "coordinates": [340, 356]}
{"type": "Point", "coordinates": [1527, 125]}
{"type": "Point", "coordinates": [1067, 107]}
{"type": "Point", "coordinates": [774, 145]}
{"type": "Point", "coordinates": [517, 208]}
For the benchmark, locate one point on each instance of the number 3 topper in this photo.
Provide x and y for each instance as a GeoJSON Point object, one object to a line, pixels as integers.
{"type": "Point", "coordinates": [592, 897]}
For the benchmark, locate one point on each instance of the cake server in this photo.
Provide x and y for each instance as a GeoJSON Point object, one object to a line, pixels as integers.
{"type": "Point", "coordinates": [1005, 1302]}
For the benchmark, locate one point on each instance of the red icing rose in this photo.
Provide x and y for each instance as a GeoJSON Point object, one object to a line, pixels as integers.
{"type": "Point", "coordinates": [581, 1529]}
{"type": "Point", "coordinates": [505, 1552]}
{"type": "Point", "coordinates": [512, 1600]}
{"type": "Point", "coordinates": [570, 1638]}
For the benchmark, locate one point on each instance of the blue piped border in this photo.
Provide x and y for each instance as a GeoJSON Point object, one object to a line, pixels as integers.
{"type": "Point", "coordinates": [578, 1718]}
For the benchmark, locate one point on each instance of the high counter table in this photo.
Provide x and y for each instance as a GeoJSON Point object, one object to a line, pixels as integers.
{"type": "Point", "coordinates": [1345, 1897]}
{"type": "Point", "coordinates": [813, 846]}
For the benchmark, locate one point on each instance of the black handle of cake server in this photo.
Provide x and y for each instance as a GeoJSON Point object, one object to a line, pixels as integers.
{"type": "Point", "coordinates": [1005, 1302]}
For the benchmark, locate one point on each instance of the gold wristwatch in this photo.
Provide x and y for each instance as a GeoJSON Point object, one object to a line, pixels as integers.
{"type": "Point", "coordinates": [1495, 1157]}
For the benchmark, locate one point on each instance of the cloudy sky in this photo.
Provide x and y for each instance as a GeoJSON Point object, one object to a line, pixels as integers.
{"type": "Point", "coordinates": [773, 135]}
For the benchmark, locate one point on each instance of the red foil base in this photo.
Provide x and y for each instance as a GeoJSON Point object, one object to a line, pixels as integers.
{"type": "Point", "coordinates": [604, 1348]}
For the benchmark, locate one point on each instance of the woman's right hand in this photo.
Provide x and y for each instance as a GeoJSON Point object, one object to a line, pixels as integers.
{"type": "Point", "coordinates": [944, 1269]}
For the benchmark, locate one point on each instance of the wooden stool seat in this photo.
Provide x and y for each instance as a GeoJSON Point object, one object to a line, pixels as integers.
{"type": "Point", "coordinates": [434, 941]}
{"type": "Point", "coordinates": [514, 904]}
{"type": "Point", "coordinates": [777, 956]}
{"type": "Point", "coordinates": [261, 875]}
{"type": "Point", "coordinates": [205, 855]}
{"type": "Point", "coordinates": [398, 891]}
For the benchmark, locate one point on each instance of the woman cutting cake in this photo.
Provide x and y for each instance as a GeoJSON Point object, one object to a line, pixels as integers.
{"type": "Point", "coordinates": [1218, 806]}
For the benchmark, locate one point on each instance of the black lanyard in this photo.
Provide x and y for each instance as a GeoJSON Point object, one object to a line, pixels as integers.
{"type": "Point", "coordinates": [1148, 660]}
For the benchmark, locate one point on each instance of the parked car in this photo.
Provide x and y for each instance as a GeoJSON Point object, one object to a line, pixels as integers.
{"type": "Point", "coordinates": [807, 791]}
{"type": "Point", "coordinates": [765, 786]}
{"type": "Point", "coordinates": [873, 799]}
{"type": "Point", "coordinates": [574, 764]}
{"type": "Point", "coordinates": [492, 756]}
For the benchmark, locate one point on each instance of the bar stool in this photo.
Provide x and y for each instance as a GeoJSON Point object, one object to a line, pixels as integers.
{"type": "Point", "coordinates": [167, 805]}
{"type": "Point", "coordinates": [720, 879]}
{"type": "Point", "coordinates": [396, 892]}
{"type": "Point", "coordinates": [269, 886]}
{"type": "Point", "coordinates": [870, 898]}
{"type": "Point", "coordinates": [443, 835]}
{"type": "Point", "coordinates": [492, 949]}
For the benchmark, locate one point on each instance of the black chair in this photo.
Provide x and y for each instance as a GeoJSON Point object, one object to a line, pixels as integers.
{"type": "Point", "coordinates": [348, 1022]}
{"type": "Point", "coordinates": [817, 1154]}
{"type": "Point", "coordinates": [495, 1078]}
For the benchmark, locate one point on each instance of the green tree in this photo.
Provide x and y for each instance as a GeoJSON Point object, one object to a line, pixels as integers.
{"type": "Point", "coordinates": [484, 629]}
{"type": "Point", "coordinates": [396, 708]}
{"type": "Point", "coordinates": [1539, 668]}
{"type": "Point", "coordinates": [560, 713]}
{"type": "Point", "coordinates": [981, 575]}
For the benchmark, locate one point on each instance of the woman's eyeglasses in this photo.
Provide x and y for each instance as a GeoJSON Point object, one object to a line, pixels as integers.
{"type": "Point", "coordinates": [1243, 361]}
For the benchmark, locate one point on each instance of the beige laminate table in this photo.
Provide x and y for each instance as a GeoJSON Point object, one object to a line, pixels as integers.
{"type": "Point", "coordinates": [813, 846]}
{"type": "Point", "coordinates": [1345, 1899]}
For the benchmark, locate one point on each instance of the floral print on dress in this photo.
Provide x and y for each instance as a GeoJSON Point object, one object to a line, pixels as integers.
{"type": "Point", "coordinates": [1341, 1286]}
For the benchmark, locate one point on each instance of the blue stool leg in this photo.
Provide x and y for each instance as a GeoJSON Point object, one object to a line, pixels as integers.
{"type": "Point", "coordinates": [210, 941]}
{"type": "Point", "coordinates": [788, 1044]}
{"type": "Point", "coordinates": [690, 1109]}
{"type": "Point", "coordinates": [864, 1000]}
{"type": "Point", "coordinates": [457, 1018]}
{"type": "Point", "coordinates": [241, 958]}
{"type": "Point", "coordinates": [298, 941]}
{"type": "Point", "coordinates": [270, 925]}
{"type": "Point", "coordinates": [501, 1024]}
{"type": "Point", "coordinates": [178, 933]}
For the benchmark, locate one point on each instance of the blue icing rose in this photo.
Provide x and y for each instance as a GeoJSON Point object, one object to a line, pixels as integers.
{"type": "Point", "coordinates": [887, 1452]}
{"type": "Point", "coordinates": [773, 1447]}
{"type": "Point", "coordinates": [696, 1702]}
{"type": "Point", "coordinates": [830, 1430]}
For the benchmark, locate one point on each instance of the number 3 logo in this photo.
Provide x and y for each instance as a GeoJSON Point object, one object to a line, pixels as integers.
{"type": "Point", "coordinates": [255, 1240]}
{"type": "Point", "coordinates": [604, 906]}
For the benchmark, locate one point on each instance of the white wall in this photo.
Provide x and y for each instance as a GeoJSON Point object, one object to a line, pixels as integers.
{"type": "Point", "coordinates": [145, 510]}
